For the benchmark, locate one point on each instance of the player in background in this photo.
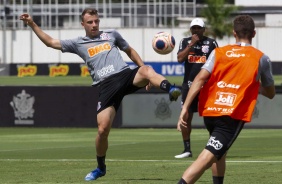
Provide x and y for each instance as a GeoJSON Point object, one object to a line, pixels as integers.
{"type": "Point", "coordinates": [100, 50]}
{"type": "Point", "coordinates": [229, 83]}
{"type": "Point", "coordinates": [193, 51]}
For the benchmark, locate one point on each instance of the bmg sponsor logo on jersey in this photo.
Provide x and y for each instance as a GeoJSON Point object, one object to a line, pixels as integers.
{"type": "Point", "coordinates": [223, 98]}
{"type": "Point", "coordinates": [197, 59]}
{"type": "Point", "coordinates": [106, 70]}
{"type": "Point", "coordinates": [93, 51]}
{"type": "Point", "coordinates": [214, 143]}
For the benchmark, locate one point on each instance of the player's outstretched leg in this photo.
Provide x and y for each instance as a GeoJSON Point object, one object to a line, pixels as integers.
{"type": "Point", "coordinates": [147, 74]}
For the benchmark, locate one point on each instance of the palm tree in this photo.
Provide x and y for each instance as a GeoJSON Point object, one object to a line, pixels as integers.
{"type": "Point", "coordinates": [217, 14]}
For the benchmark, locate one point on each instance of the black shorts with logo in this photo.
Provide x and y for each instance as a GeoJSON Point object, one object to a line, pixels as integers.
{"type": "Point", "coordinates": [114, 88]}
{"type": "Point", "coordinates": [194, 105]}
{"type": "Point", "coordinates": [223, 132]}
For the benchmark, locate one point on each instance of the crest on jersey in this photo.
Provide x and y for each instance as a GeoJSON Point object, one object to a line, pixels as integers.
{"type": "Point", "coordinates": [105, 36]}
{"type": "Point", "coordinates": [205, 48]}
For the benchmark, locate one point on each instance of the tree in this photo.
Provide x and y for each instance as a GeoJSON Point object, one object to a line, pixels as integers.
{"type": "Point", "coordinates": [217, 14]}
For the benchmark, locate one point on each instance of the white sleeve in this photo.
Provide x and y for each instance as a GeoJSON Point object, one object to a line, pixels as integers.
{"type": "Point", "coordinates": [210, 62]}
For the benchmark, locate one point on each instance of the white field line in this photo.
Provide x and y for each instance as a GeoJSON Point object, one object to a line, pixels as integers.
{"type": "Point", "coordinates": [43, 148]}
{"type": "Point", "coordinates": [116, 160]}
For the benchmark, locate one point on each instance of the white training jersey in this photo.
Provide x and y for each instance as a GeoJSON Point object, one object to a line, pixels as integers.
{"type": "Point", "coordinates": [101, 53]}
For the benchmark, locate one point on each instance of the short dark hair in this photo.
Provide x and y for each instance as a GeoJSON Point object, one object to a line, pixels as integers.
{"type": "Point", "coordinates": [244, 26]}
{"type": "Point", "coordinates": [91, 11]}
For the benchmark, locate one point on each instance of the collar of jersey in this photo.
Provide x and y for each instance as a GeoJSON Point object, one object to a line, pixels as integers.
{"type": "Point", "coordinates": [243, 44]}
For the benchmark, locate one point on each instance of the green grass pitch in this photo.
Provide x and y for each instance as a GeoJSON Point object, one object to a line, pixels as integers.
{"type": "Point", "coordinates": [142, 156]}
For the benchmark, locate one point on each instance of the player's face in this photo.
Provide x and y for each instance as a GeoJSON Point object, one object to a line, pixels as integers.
{"type": "Point", "coordinates": [198, 30]}
{"type": "Point", "coordinates": [91, 25]}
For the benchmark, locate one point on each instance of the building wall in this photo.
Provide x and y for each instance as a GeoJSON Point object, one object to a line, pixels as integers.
{"type": "Point", "coordinates": [23, 46]}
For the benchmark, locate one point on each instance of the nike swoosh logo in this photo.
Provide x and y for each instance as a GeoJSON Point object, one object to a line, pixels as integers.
{"type": "Point", "coordinates": [2, 69]}
{"type": "Point", "coordinates": [236, 49]}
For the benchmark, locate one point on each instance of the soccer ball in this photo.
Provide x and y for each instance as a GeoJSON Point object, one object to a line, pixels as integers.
{"type": "Point", "coordinates": [163, 43]}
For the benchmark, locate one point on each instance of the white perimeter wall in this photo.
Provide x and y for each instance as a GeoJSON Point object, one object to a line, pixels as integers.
{"type": "Point", "coordinates": [154, 110]}
{"type": "Point", "coordinates": [23, 44]}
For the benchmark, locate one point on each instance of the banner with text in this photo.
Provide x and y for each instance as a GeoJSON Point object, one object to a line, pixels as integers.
{"type": "Point", "coordinates": [165, 68]}
{"type": "Point", "coordinates": [80, 69]}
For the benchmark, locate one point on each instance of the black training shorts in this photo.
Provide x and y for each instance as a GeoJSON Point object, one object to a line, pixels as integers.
{"type": "Point", "coordinates": [223, 132]}
{"type": "Point", "coordinates": [114, 88]}
{"type": "Point", "coordinates": [194, 105]}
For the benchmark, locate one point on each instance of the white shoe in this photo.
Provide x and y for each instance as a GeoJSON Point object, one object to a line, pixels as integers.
{"type": "Point", "coordinates": [184, 155]}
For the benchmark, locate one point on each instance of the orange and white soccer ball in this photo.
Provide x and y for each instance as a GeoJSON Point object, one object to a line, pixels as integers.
{"type": "Point", "coordinates": [163, 43]}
